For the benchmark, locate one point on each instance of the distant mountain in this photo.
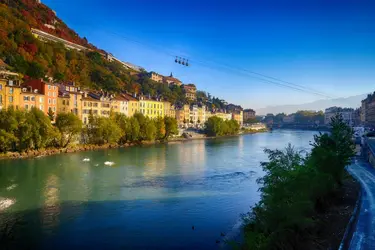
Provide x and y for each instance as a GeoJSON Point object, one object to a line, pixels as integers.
{"type": "Point", "coordinates": [348, 102]}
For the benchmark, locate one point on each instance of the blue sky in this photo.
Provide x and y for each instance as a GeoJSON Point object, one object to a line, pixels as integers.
{"type": "Point", "coordinates": [319, 44]}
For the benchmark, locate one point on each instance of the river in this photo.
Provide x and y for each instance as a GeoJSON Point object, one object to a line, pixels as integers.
{"type": "Point", "coordinates": [149, 199]}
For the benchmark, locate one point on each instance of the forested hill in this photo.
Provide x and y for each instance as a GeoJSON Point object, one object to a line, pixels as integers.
{"type": "Point", "coordinates": [35, 59]}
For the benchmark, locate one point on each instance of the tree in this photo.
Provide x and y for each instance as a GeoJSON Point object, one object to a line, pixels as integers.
{"type": "Point", "coordinates": [35, 70]}
{"type": "Point", "coordinates": [160, 128]}
{"type": "Point", "coordinates": [69, 126]}
{"type": "Point", "coordinates": [51, 114]}
{"type": "Point", "coordinates": [171, 127]}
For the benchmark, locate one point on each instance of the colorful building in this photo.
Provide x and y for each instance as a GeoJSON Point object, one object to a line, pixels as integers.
{"type": "Point", "coordinates": [168, 109]}
{"type": "Point", "coordinates": [120, 104]}
{"type": "Point", "coordinates": [133, 104]}
{"type": "Point", "coordinates": [238, 116]}
{"type": "Point", "coordinates": [74, 95]}
{"type": "Point", "coordinates": [9, 88]}
{"type": "Point", "coordinates": [30, 98]}
{"type": "Point", "coordinates": [50, 92]}
{"type": "Point", "coordinates": [150, 107]}
{"type": "Point", "coordinates": [90, 105]}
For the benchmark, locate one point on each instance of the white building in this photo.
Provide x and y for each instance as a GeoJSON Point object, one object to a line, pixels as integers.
{"type": "Point", "coordinates": [346, 113]}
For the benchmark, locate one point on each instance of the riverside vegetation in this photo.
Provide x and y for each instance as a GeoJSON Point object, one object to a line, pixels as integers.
{"type": "Point", "coordinates": [296, 188]}
{"type": "Point", "coordinates": [22, 130]}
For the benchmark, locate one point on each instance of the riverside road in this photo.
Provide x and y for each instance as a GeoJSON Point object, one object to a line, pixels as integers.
{"type": "Point", "coordinates": [363, 236]}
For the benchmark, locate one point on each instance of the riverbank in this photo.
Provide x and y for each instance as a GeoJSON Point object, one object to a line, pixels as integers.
{"type": "Point", "coordinates": [92, 147]}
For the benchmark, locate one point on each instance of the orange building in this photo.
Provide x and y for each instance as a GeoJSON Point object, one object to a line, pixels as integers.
{"type": "Point", "coordinates": [50, 92]}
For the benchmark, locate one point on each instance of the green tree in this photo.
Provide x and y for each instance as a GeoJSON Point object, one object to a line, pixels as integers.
{"type": "Point", "coordinates": [35, 70]}
{"type": "Point", "coordinates": [160, 128]}
{"type": "Point", "coordinates": [171, 127]}
{"type": "Point", "coordinates": [69, 126]}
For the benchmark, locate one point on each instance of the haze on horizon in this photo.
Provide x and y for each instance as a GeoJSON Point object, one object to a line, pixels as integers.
{"type": "Point", "coordinates": [326, 46]}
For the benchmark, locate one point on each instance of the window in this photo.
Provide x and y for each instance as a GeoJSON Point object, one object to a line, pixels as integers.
{"type": "Point", "coordinates": [41, 99]}
{"type": "Point", "coordinates": [41, 107]}
{"type": "Point", "coordinates": [54, 109]}
{"type": "Point", "coordinates": [54, 94]}
{"type": "Point", "coordinates": [32, 98]}
{"type": "Point", "coordinates": [49, 93]}
{"type": "Point", "coordinates": [67, 102]}
{"type": "Point", "coordinates": [26, 106]}
{"type": "Point", "coordinates": [26, 98]}
{"type": "Point", "coordinates": [84, 104]}
{"type": "Point", "coordinates": [10, 98]}
{"type": "Point", "coordinates": [31, 106]}
{"type": "Point", "coordinates": [63, 102]}
{"type": "Point", "coordinates": [1, 87]}
{"type": "Point", "coordinates": [154, 106]}
{"type": "Point", "coordinates": [10, 90]}
{"type": "Point", "coordinates": [85, 120]}
{"type": "Point", "coordinates": [1, 99]}
{"type": "Point", "coordinates": [49, 87]}
{"type": "Point", "coordinates": [54, 87]}
{"type": "Point", "coordinates": [49, 100]}
{"type": "Point", "coordinates": [54, 101]}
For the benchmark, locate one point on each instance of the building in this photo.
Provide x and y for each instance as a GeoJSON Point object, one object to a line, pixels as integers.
{"type": "Point", "coordinates": [50, 92]}
{"type": "Point", "coordinates": [167, 109]}
{"type": "Point", "coordinates": [120, 104]}
{"type": "Point", "coordinates": [10, 89]}
{"type": "Point", "coordinates": [190, 91]}
{"type": "Point", "coordinates": [248, 114]}
{"type": "Point", "coordinates": [63, 103]}
{"type": "Point", "coordinates": [170, 80]}
{"type": "Point", "coordinates": [156, 77]}
{"type": "Point", "coordinates": [289, 119]}
{"type": "Point", "coordinates": [222, 115]}
{"type": "Point", "coordinates": [46, 37]}
{"type": "Point", "coordinates": [70, 99]}
{"type": "Point", "coordinates": [193, 115]}
{"type": "Point", "coordinates": [30, 98]}
{"type": "Point", "coordinates": [202, 118]}
{"type": "Point", "coordinates": [238, 116]}
{"type": "Point", "coordinates": [90, 105]}
{"type": "Point", "coordinates": [346, 113]}
{"type": "Point", "coordinates": [183, 115]}
{"type": "Point", "coordinates": [151, 107]}
{"type": "Point", "coordinates": [133, 104]}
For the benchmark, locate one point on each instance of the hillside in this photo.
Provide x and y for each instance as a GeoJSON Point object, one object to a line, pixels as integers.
{"type": "Point", "coordinates": [349, 102]}
{"type": "Point", "coordinates": [35, 59]}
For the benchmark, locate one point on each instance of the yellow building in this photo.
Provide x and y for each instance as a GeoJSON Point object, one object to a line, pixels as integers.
{"type": "Point", "coordinates": [30, 98]}
{"type": "Point", "coordinates": [238, 116]}
{"type": "Point", "coordinates": [10, 89]}
{"type": "Point", "coordinates": [63, 104]}
{"type": "Point", "coordinates": [167, 109]}
{"type": "Point", "coordinates": [89, 105]}
{"type": "Point", "coordinates": [70, 99]}
{"type": "Point", "coordinates": [182, 115]}
{"type": "Point", "coordinates": [151, 108]}
{"type": "Point", "coordinates": [133, 104]}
